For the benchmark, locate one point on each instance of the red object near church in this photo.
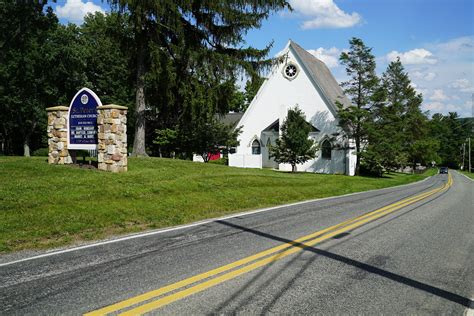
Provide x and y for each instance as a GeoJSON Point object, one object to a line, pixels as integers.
{"type": "Point", "coordinates": [214, 156]}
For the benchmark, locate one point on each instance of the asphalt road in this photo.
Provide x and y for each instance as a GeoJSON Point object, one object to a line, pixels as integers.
{"type": "Point", "coordinates": [413, 254]}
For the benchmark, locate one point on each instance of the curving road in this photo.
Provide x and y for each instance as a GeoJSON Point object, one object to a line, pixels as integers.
{"type": "Point", "coordinates": [407, 250]}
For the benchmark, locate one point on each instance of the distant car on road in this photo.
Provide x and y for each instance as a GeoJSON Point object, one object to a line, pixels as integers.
{"type": "Point", "coordinates": [443, 170]}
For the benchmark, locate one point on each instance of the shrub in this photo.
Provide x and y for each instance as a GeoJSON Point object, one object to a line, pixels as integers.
{"type": "Point", "coordinates": [222, 161]}
{"type": "Point", "coordinates": [41, 152]}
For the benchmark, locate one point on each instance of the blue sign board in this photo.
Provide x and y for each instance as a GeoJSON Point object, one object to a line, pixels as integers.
{"type": "Point", "coordinates": [82, 120]}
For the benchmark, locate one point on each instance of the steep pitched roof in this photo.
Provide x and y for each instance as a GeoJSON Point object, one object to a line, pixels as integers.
{"type": "Point", "coordinates": [230, 119]}
{"type": "Point", "coordinates": [321, 75]}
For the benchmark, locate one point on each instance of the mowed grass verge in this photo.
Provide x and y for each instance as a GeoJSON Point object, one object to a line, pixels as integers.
{"type": "Point", "coordinates": [467, 173]}
{"type": "Point", "coordinates": [45, 206]}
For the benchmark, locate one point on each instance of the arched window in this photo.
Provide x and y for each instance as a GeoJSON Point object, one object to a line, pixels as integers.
{"type": "Point", "coordinates": [256, 147]}
{"type": "Point", "coordinates": [269, 142]}
{"type": "Point", "coordinates": [326, 149]}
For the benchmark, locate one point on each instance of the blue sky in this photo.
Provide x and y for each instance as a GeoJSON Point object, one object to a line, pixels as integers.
{"type": "Point", "coordinates": [434, 39]}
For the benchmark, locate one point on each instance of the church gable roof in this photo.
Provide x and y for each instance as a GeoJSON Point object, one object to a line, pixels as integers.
{"type": "Point", "coordinates": [322, 76]}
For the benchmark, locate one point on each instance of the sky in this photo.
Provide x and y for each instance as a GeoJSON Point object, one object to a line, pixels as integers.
{"type": "Point", "coordinates": [433, 38]}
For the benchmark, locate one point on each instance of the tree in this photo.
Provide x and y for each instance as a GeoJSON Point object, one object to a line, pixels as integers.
{"type": "Point", "coordinates": [360, 88]}
{"type": "Point", "coordinates": [108, 70]}
{"type": "Point", "coordinates": [402, 122]}
{"type": "Point", "coordinates": [201, 40]}
{"type": "Point", "coordinates": [238, 101]}
{"type": "Point", "coordinates": [293, 146]}
{"type": "Point", "coordinates": [24, 29]}
{"type": "Point", "coordinates": [451, 132]}
{"type": "Point", "coordinates": [213, 136]}
{"type": "Point", "coordinates": [251, 88]}
{"type": "Point", "coordinates": [166, 141]}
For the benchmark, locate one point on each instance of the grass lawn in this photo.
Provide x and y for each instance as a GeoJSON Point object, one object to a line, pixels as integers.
{"type": "Point", "coordinates": [44, 206]}
{"type": "Point", "coordinates": [469, 174]}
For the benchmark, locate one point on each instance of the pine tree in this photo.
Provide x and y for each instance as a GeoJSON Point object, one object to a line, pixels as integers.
{"type": "Point", "coordinates": [201, 38]}
{"type": "Point", "coordinates": [360, 88]}
{"type": "Point", "coordinates": [402, 123]}
{"type": "Point", "coordinates": [293, 146]}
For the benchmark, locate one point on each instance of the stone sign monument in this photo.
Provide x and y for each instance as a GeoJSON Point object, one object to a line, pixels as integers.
{"type": "Point", "coordinates": [88, 125]}
{"type": "Point", "coordinates": [82, 120]}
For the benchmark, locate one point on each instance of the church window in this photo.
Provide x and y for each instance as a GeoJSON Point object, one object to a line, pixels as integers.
{"type": "Point", "coordinates": [290, 71]}
{"type": "Point", "coordinates": [256, 147]}
{"type": "Point", "coordinates": [326, 149]}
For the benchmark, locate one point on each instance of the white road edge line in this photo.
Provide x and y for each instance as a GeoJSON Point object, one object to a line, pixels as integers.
{"type": "Point", "coordinates": [203, 222]}
{"type": "Point", "coordinates": [463, 175]}
{"type": "Point", "coordinates": [470, 309]}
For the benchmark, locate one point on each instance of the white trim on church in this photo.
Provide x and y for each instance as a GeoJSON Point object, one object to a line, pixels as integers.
{"type": "Point", "coordinates": [300, 80]}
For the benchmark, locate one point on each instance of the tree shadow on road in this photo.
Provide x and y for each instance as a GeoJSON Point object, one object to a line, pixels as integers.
{"type": "Point", "coordinates": [447, 295]}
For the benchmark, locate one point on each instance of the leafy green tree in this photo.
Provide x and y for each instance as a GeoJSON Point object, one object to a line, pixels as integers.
{"type": "Point", "coordinates": [166, 140]}
{"type": "Point", "coordinates": [251, 88]}
{"type": "Point", "coordinates": [241, 100]}
{"type": "Point", "coordinates": [108, 70]}
{"type": "Point", "coordinates": [238, 102]}
{"type": "Point", "coordinates": [360, 88]}
{"type": "Point", "coordinates": [24, 30]}
{"type": "Point", "coordinates": [451, 132]}
{"type": "Point", "coordinates": [293, 146]}
{"type": "Point", "coordinates": [66, 56]}
{"type": "Point", "coordinates": [211, 136]}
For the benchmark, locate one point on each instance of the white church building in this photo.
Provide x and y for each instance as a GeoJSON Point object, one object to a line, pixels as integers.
{"type": "Point", "coordinates": [302, 80]}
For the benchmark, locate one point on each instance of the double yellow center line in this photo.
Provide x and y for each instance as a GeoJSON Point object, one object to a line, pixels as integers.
{"type": "Point", "coordinates": [156, 298]}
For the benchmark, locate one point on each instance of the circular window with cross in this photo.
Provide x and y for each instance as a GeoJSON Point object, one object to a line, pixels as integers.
{"type": "Point", "coordinates": [290, 71]}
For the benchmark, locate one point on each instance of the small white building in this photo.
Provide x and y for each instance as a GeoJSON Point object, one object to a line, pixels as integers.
{"type": "Point", "coordinates": [302, 80]}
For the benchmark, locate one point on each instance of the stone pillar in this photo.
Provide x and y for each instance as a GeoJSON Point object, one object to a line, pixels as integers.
{"type": "Point", "coordinates": [57, 135]}
{"type": "Point", "coordinates": [112, 138]}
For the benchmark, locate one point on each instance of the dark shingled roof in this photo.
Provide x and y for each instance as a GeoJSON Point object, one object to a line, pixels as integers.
{"type": "Point", "coordinates": [231, 118]}
{"type": "Point", "coordinates": [321, 75]}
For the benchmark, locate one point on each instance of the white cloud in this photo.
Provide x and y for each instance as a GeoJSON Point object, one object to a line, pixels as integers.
{"type": "Point", "coordinates": [75, 10]}
{"type": "Point", "coordinates": [450, 71]}
{"type": "Point", "coordinates": [417, 74]}
{"type": "Point", "coordinates": [435, 107]}
{"type": "Point", "coordinates": [328, 56]}
{"type": "Point", "coordinates": [418, 89]}
{"type": "Point", "coordinates": [430, 76]}
{"type": "Point", "coordinates": [413, 57]}
{"type": "Point", "coordinates": [457, 45]}
{"type": "Point", "coordinates": [462, 85]}
{"type": "Point", "coordinates": [439, 95]}
{"type": "Point", "coordinates": [439, 107]}
{"type": "Point", "coordinates": [324, 14]}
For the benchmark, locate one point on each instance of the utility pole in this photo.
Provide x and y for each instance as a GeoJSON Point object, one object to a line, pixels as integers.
{"type": "Point", "coordinates": [469, 154]}
{"type": "Point", "coordinates": [472, 130]}
{"type": "Point", "coordinates": [463, 155]}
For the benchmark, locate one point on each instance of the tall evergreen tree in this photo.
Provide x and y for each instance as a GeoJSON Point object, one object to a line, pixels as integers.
{"type": "Point", "coordinates": [293, 146]}
{"type": "Point", "coordinates": [200, 37]}
{"type": "Point", "coordinates": [360, 88]}
{"type": "Point", "coordinates": [402, 123]}
{"type": "Point", "coordinates": [386, 136]}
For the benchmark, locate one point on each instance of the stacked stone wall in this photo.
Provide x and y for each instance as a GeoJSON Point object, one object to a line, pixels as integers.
{"type": "Point", "coordinates": [57, 135]}
{"type": "Point", "coordinates": [112, 137]}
